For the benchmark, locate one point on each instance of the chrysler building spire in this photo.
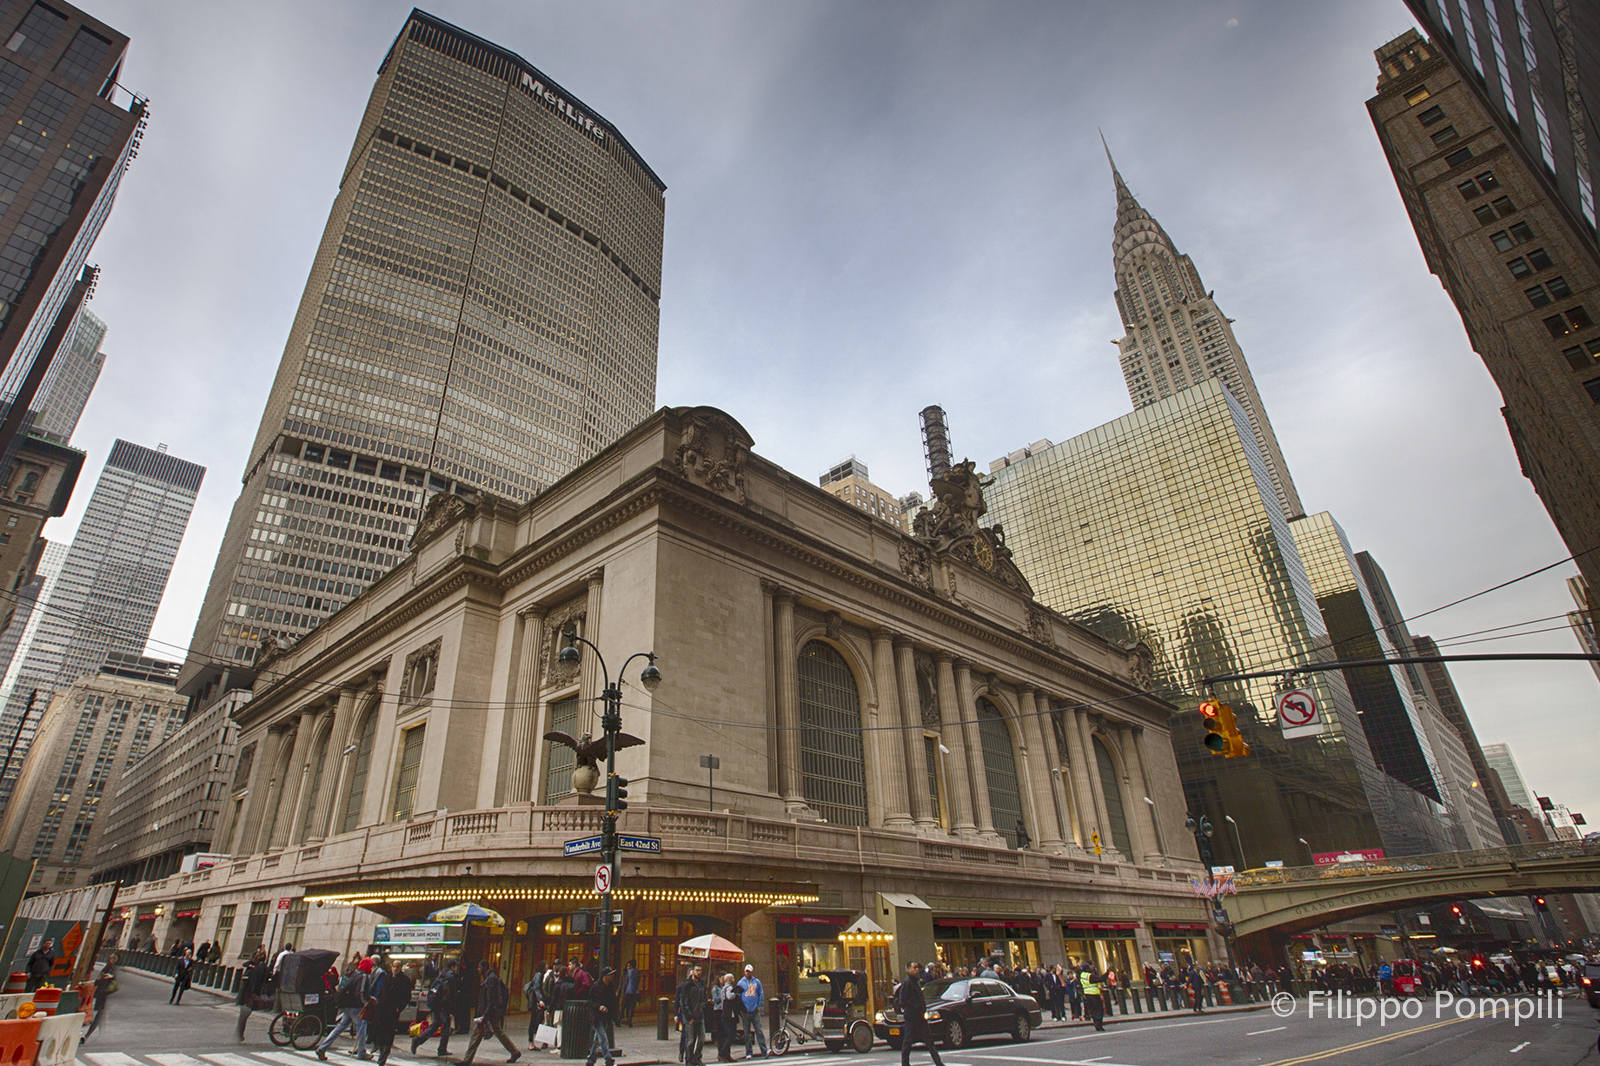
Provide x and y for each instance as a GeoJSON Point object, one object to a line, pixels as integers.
{"type": "Point", "coordinates": [1176, 335]}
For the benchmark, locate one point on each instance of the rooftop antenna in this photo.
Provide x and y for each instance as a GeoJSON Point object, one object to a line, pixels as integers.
{"type": "Point", "coordinates": [936, 442]}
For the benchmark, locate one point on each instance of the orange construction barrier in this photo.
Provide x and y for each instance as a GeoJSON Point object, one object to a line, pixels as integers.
{"type": "Point", "coordinates": [19, 1041]}
{"type": "Point", "coordinates": [17, 982]}
{"type": "Point", "coordinates": [47, 1000]}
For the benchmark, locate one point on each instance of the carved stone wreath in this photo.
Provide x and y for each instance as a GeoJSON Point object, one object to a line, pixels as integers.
{"type": "Point", "coordinates": [712, 452]}
{"type": "Point", "coordinates": [444, 510]}
{"type": "Point", "coordinates": [916, 562]}
{"type": "Point", "coordinates": [1039, 626]}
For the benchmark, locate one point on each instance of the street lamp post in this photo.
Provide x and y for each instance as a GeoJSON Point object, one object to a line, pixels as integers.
{"type": "Point", "coordinates": [1309, 853]}
{"type": "Point", "coordinates": [1244, 864]}
{"type": "Point", "coordinates": [611, 726]}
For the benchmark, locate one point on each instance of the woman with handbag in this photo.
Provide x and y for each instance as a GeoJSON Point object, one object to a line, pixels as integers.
{"type": "Point", "coordinates": [104, 986]}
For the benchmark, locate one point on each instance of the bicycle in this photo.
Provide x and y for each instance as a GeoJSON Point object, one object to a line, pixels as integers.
{"type": "Point", "coordinates": [780, 1036]}
{"type": "Point", "coordinates": [302, 1031]}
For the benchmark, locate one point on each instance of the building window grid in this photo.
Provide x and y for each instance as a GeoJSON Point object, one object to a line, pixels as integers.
{"type": "Point", "coordinates": [831, 752]}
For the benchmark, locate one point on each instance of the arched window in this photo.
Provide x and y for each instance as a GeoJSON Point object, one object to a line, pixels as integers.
{"type": "Point", "coordinates": [1112, 787]}
{"type": "Point", "coordinates": [832, 775]}
{"type": "Point", "coordinates": [319, 760]}
{"type": "Point", "coordinates": [359, 766]}
{"type": "Point", "coordinates": [1000, 766]}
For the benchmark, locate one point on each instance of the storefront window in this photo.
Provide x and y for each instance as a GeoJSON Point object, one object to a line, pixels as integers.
{"type": "Point", "coordinates": [1104, 949]}
{"type": "Point", "coordinates": [806, 948]}
{"type": "Point", "coordinates": [967, 944]}
{"type": "Point", "coordinates": [1181, 952]}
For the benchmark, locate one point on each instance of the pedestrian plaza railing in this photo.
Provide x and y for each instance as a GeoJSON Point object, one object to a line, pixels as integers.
{"type": "Point", "coordinates": [212, 975]}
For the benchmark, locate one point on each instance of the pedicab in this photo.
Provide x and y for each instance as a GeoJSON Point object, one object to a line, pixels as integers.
{"type": "Point", "coordinates": [305, 1006]}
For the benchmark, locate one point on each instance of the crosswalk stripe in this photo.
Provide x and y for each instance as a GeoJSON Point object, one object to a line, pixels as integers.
{"type": "Point", "coordinates": [228, 1060]}
{"type": "Point", "coordinates": [112, 1058]}
{"type": "Point", "coordinates": [284, 1058]}
{"type": "Point", "coordinates": [174, 1059]}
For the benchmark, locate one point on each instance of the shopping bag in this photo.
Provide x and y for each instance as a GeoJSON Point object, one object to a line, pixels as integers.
{"type": "Point", "coordinates": [547, 1036]}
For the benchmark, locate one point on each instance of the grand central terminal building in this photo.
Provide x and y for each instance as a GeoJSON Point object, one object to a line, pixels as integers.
{"type": "Point", "coordinates": [899, 730]}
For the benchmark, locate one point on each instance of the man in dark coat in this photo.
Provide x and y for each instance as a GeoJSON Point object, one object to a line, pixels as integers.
{"type": "Point", "coordinates": [493, 998]}
{"type": "Point", "coordinates": [393, 996]}
{"type": "Point", "coordinates": [40, 963]}
{"type": "Point", "coordinates": [691, 1011]}
{"type": "Point", "coordinates": [913, 1023]}
{"type": "Point", "coordinates": [441, 997]}
{"type": "Point", "coordinates": [603, 1001]}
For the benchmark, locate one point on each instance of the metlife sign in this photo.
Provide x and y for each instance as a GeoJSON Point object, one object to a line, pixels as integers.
{"type": "Point", "coordinates": [563, 107]}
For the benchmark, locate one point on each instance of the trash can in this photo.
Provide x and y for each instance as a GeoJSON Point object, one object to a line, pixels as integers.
{"type": "Point", "coordinates": [575, 1029]}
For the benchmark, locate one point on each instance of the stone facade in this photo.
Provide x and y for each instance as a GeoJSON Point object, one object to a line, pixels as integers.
{"type": "Point", "coordinates": [886, 707]}
{"type": "Point", "coordinates": [1521, 277]}
{"type": "Point", "coordinates": [38, 489]}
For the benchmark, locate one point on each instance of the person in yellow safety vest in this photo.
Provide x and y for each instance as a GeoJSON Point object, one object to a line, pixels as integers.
{"type": "Point", "coordinates": [1093, 1005]}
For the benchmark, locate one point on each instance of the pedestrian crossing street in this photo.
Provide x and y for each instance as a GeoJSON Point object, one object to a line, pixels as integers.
{"type": "Point", "coordinates": [284, 1057]}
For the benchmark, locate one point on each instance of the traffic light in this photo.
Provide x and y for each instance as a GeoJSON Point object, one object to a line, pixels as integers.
{"type": "Point", "coordinates": [1222, 730]}
{"type": "Point", "coordinates": [1538, 901]}
{"type": "Point", "coordinates": [616, 794]}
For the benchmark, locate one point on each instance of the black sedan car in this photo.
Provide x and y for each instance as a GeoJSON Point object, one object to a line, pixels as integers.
{"type": "Point", "coordinates": [962, 1008]}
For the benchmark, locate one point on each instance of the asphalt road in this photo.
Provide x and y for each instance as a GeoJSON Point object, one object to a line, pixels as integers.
{"type": "Point", "coordinates": [142, 1029]}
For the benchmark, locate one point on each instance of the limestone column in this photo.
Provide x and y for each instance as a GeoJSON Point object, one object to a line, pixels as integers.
{"type": "Point", "coordinates": [1060, 777]}
{"type": "Point", "coordinates": [891, 748]}
{"type": "Point", "coordinates": [916, 757]}
{"type": "Point", "coordinates": [266, 763]}
{"type": "Point", "coordinates": [953, 737]}
{"type": "Point", "coordinates": [1078, 775]}
{"type": "Point", "coordinates": [589, 680]}
{"type": "Point", "coordinates": [274, 797]}
{"type": "Point", "coordinates": [1139, 845]}
{"type": "Point", "coordinates": [1047, 829]}
{"type": "Point", "coordinates": [975, 767]}
{"type": "Point", "coordinates": [520, 740]}
{"type": "Point", "coordinates": [294, 786]}
{"type": "Point", "coordinates": [1133, 755]}
{"type": "Point", "coordinates": [790, 787]}
{"type": "Point", "coordinates": [335, 769]}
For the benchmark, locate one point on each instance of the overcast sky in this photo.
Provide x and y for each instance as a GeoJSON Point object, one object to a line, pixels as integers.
{"type": "Point", "coordinates": [876, 206]}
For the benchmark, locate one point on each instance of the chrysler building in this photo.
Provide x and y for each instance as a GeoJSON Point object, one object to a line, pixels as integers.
{"type": "Point", "coordinates": [1176, 336]}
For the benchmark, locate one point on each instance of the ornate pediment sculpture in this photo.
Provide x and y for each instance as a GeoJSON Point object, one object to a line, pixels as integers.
{"type": "Point", "coordinates": [443, 511]}
{"type": "Point", "coordinates": [950, 527]}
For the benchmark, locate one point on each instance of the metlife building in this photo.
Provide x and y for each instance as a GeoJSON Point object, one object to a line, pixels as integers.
{"type": "Point", "coordinates": [482, 314]}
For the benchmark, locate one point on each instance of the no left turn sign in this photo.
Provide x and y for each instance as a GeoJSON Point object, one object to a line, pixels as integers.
{"type": "Point", "coordinates": [1297, 708]}
{"type": "Point", "coordinates": [602, 878]}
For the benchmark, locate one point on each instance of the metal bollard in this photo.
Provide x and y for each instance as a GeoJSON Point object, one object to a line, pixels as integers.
{"type": "Point", "coordinates": [663, 1017]}
{"type": "Point", "coordinates": [1138, 1005]}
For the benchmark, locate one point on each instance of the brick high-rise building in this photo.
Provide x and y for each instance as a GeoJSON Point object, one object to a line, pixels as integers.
{"type": "Point", "coordinates": [1176, 335]}
{"type": "Point", "coordinates": [1517, 262]}
{"type": "Point", "coordinates": [481, 314]}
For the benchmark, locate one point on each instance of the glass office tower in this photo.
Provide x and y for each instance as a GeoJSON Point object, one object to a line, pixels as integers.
{"type": "Point", "coordinates": [1165, 526]}
{"type": "Point", "coordinates": [72, 378]}
{"type": "Point", "coordinates": [481, 315]}
{"type": "Point", "coordinates": [111, 583]}
{"type": "Point", "coordinates": [60, 168]}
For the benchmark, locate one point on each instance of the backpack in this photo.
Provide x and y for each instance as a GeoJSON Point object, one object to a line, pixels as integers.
{"type": "Point", "coordinates": [499, 998]}
{"type": "Point", "coordinates": [349, 993]}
